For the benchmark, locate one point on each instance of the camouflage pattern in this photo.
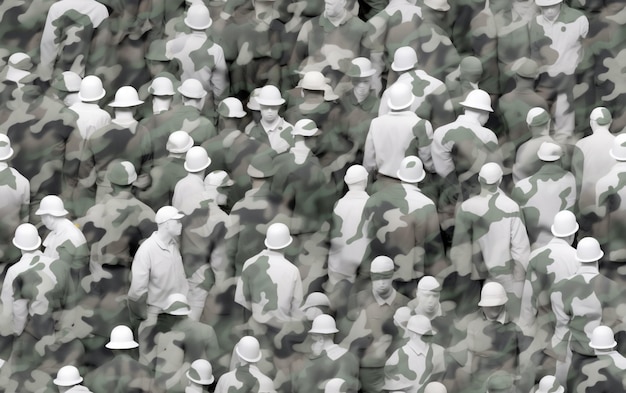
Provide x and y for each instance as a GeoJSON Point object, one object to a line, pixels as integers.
{"type": "Point", "coordinates": [604, 374]}
{"type": "Point", "coordinates": [245, 378]}
{"type": "Point", "coordinates": [26, 35]}
{"type": "Point", "coordinates": [333, 362]}
{"type": "Point", "coordinates": [279, 138]}
{"type": "Point", "coordinates": [14, 209]}
{"type": "Point", "coordinates": [357, 117]}
{"type": "Point", "coordinates": [67, 36]}
{"type": "Point", "coordinates": [122, 373]}
{"type": "Point", "coordinates": [164, 175]}
{"type": "Point", "coordinates": [410, 368]}
{"type": "Point", "coordinates": [188, 191]}
{"type": "Point", "coordinates": [541, 196]}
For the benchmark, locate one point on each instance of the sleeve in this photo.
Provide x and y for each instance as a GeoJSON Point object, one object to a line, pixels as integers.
{"type": "Point", "coordinates": [442, 157]}
{"type": "Point", "coordinates": [423, 130]}
{"type": "Point", "coordinates": [49, 47]}
{"type": "Point", "coordinates": [560, 338]}
{"type": "Point", "coordinates": [140, 275]}
{"type": "Point", "coordinates": [520, 245]}
{"type": "Point", "coordinates": [369, 154]}
{"type": "Point", "coordinates": [219, 76]}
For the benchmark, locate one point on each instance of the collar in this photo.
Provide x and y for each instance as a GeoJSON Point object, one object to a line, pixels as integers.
{"type": "Point", "coordinates": [587, 268]}
{"type": "Point", "coordinates": [416, 349]}
{"type": "Point", "coordinates": [502, 318]}
{"type": "Point", "coordinates": [160, 243]}
{"type": "Point", "coordinates": [279, 125]}
{"type": "Point", "coordinates": [327, 25]}
{"type": "Point", "coordinates": [388, 301]}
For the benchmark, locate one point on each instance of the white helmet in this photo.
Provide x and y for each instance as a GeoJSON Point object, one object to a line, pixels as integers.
{"type": "Point", "coordinates": [167, 213]}
{"type": "Point", "coordinates": [420, 324]}
{"type": "Point", "coordinates": [270, 95]}
{"type": "Point", "coordinates": [564, 224]}
{"type": "Point", "coordinates": [588, 250]}
{"type": "Point", "coordinates": [324, 324]}
{"type": "Point", "coordinates": [492, 294]}
{"type": "Point", "coordinates": [161, 86]}
{"type": "Point", "coordinates": [618, 150]}
{"type": "Point", "coordinates": [304, 127]}
{"type": "Point", "coordinates": [231, 107]}
{"type": "Point", "coordinates": [192, 88]}
{"type": "Point", "coordinates": [404, 58]}
{"type": "Point", "coordinates": [197, 159]}
{"type": "Point", "coordinates": [537, 116]}
{"type": "Point", "coordinates": [355, 174]}
{"type": "Point", "coordinates": [428, 283]}
{"type": "Point", "coordinates": [549, 152]}
{"type": "Point", "coordinates": [121, 338]}
{"type": "Point", "coordinates": [126, 96]}
{"type": "Point", "coordinates": [334, 385]}
{"type": "Point", "coordinates": [382, 264]}
{"type": "Point", "coordinates": [435, 387]}
{"type": "Point", "coordinates": [26, 237]}
{"type": "Point", "coordinates": [218, 178]}
{"type": "Point", "coordinates": [478, 99]}
{"type": "Point", "coordinates": [253, 104]}
{"type": "Point", "coordinates": [198, 17]}
{"type": "Point", "coordinates": [177, 304]}
{"type": "Point", "coordinates": [277, 236]}
{"type": "Point", "coordinates": [68, 376]}
{"type": "Point", "coordinates": [201, 372]}
{"type": "Point", "coordinates": [601, 115]}
{"type": "Point", "coordinates": [248, 349]}
{"type": "Point", "coordinates": [91, 89]}
{"type": "Point", "coordinates": [361, 67]}
{"type": "Point", "coordinates": [52, 205]}
{"type": "Point", "coordinates": [316, 299]}
{"type": "Point", "coordinates": [490, 173]}
{"type": "Point", "coordinates": [549, 384]}
{"type": "Point", "coordinates": [602, 337]}
{"type": "Point", "coordinates": [547, 3]}
{"type": "Point", "coordinates": [179, 142]}
{"type": "Point", "coordinates": [411, 170]}
{"type": "Point", "coordinates": [400, 96]}
{"type": "Point", "coordinates": [122, 173]}
{"type": "Point", "coordinates": [6, 151]}
{"type": "Point", "coordinates": [313, 80]}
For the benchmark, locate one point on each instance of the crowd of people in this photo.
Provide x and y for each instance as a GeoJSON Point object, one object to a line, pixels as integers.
{"type": "Point", "coordinates": [313, 196]}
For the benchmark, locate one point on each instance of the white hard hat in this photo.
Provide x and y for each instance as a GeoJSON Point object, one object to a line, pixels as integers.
{"type": "Point", "coordinates": [305, 127]}
{"type": "Point", "coordinates": [167, 213]}
{"type": "Point", "coordinates": [549, 384]}
{"type": "Point", "coordinates": [549, 152]}
{"type": "Point", "coordinates": [478, 99]}
{"type": "Point", "coordinates": [355, 174]}
{"type": "Point", "coordinates": [420, 324]}
{"type": "Point", "coordinates": [52, 205]}
{"type": "Point", "coordinates": [248, 349]}
{"type": "Point", "coordinates": [179, 142]}
{"type": "Point", "coordinates": [402, 315]}
{"type": "Point", "coordinates": [177, 304]}
{"type": "Point", "coordinates": [313, 80]}
{"type": "Point", "coordinates": [404, 58]}
{"type": "Point", "coordinates": [6, 151]}
{"type": "Point", "coordinates": [126, 96]}
{"type": "Point", "coordinates": [218, 178]}
{"type": "Point", "coordinates": [18, 66]}
{"type": "Point", "coordinates": [361, 67]}
{"type": "Point", "coordinates": [588, 250]}
{"type": "Point", "coordinates": [492, 294]}
{"type": "Point", "coordinates": [602, 337]}
{"type": "Point", "coordinates": [121, 338]}
{"type": "Point", "coordinates": [324, 324]}
{"type": "Point", "coordinates": [428, 283]}
{"type": "Point", "coordinates": [200, 372]}
{"type": "Point", "coordinates": [334, 385]}
{"type": "Point", "coordinates": [601, 115]}
{"type": "Point", "coordinates": [316, 299]}
{"type": "Point", "coordinates": [435, 387]}
{"type": "Point", "coordinates": [91, 89]}
{"type": "Point", "coordinates": [197, 159]}
{"type": "Point", "coordinates": [192, 88]}
{"type": "Point", "coordinates": [231, 107]}
{"type": "Point", "coordinates": [277, 236]}
{"type": "Point", "coordinates": [537, 117]}
{"type": "Point", "coordinates": [253, 104]}
{"type": "Point", "coordinates": [161, 86]}
{"type": "Point", "coordinates": [411, 170]}
{"type": "Point", "coordinates": [547, 3]}
{"type": "Point", "coordinates": [382, 264]}
{"type": "Point", "coordinates": [400, 96]}
{"type": "Point", "coordinates": [490, 173]}
{"type": "Point", "coordinates": [121, 173]}
{"type": "Point", "coordinates": [269, 95]}
{"type": "Point", "coordinates": [564, 224]}
{"type": "Point", "coordinates": [198, 17]}
{"type": "Point", "coordinates": [26, 237]}
{"type": "Point", "coordinates": [618, 150]}
{"type": "Point", "coordinates": [67, 376]}
{"type": "Point", "coordinates": [67, 81]}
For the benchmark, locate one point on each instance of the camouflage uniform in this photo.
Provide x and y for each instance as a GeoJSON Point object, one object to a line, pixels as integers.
{"type": "Point", "coordinates": [67, 36]}
{"type": "Point", "coordinates": [279, 138]}
{"type": "Point", "coordinates": [245, 378]}
{"type": "Point", "coordinates": [122, 373]}
{"type": "Point", "coordinates": [164, 175]}
{"type": "Point", "coordinates": [25, 35]}
{"type": "Point", "coordinates": [411, 367]}
{"type": "Point", "coordinates": [15, 197]}
{"type": "Point", "coordinates": [605, 374]}
{"type": "Point", "coordinates": [357, 118]}
{"type": "Point", "coordinates": [178, 117]}
{"type": "Point", "coordinates": [187, 191]}
{"type": "Point", "coordinates": [541, 196]}
{"type": "Point", "coordinates": [333, 362]}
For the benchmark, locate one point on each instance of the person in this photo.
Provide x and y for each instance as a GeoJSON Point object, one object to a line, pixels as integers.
{"type": "Point", "coordinates": [14, 208]}
{"type": "Point", "coordinates": [501, 382]}
{"type": "Point", "coordinates": [273, 129]}
{"type": "Point", "coordinates": [327, 360]}
{"type": "Point", "coordinates": [490, 239]}
{"type": "Point", "coordinates": [543, 194]}
{"type": "Point", "coordinates": [549, 384]}
{"type": "Point", "coordinates": [65, 87]}
{"type": "Point", "coordinates": [610, 212]}
{"type": "Point", "coordinates": [465, 79]}
{"type": "Point", "coordinates": [460, 148]}
{"type": "Point", "coordinates": [246, 376]}
{"type": "Point", "coordinates": [68, 378]}
{"type": "Point", "coordinates": [58, 51]}
{"type": "Point", "coordinates": [190, 188]}
{"type": "Point", "coordinates": [364, 329]}
{"type": "Point", "coordinates": [123, 370]}
{"type": "Point", "coordinates": [527, 162]}
{"type": "Point", "coordinates": [199, 56]}
{"type": "Point", "coordinates": [598, 297]}
{"type": "Point", "coordinates": [415, 247]}
{"type": "Point", "coordinates": [556, 36]}
{"type": "Point", "coordinates": [200, 376]}
{"type": "Point", "coordinates": [157, 269]}
{"type": "Point", "coordinates": [347, 245]}
{"type": "Point", "coordinates": [122, 139]}
{"type": "Point", "coordinates": [65, 242]}
{"type": "Point", "coordinates": [412, 136]}
{"type": "Point", "coordinates": [606, 372]}
{"type": "Point", "coordinates": [416, 363]}
{"type": "Point", "coordinates": [590, 157]}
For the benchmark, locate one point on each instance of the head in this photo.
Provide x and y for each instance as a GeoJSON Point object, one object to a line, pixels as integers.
{"type": "Point", "coordinates": [51, 210]}
{"type": "Point", "coordinates": [490, 176]}
{"type": "Point", "coordinates": [478, 102]}
{"type": "Point", "coordinates": [168, 221]}
{"type": "Point", "coordinates": [381, 273]}
{"type": "Point", "coordinates": [600, 117]}
{"type": "Point", "coordinates": [356, 177]}
{"type": "Point", "coordinates": [317, 303]}
{"type": "Point", "coordinates": [334, 8]}
{"type": "Point", "coordinates": [269, 113]}
{"type": "Point", "coordinates": [322, 332]}
{"type": "Point", "coordinates": [428, 294]}
{"type": "Point", "coordinates": [551, 10]}
{"type": "Point", "coordinates": [538, 121]}
{"type": "Point", "coordinates": [493, 297]}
